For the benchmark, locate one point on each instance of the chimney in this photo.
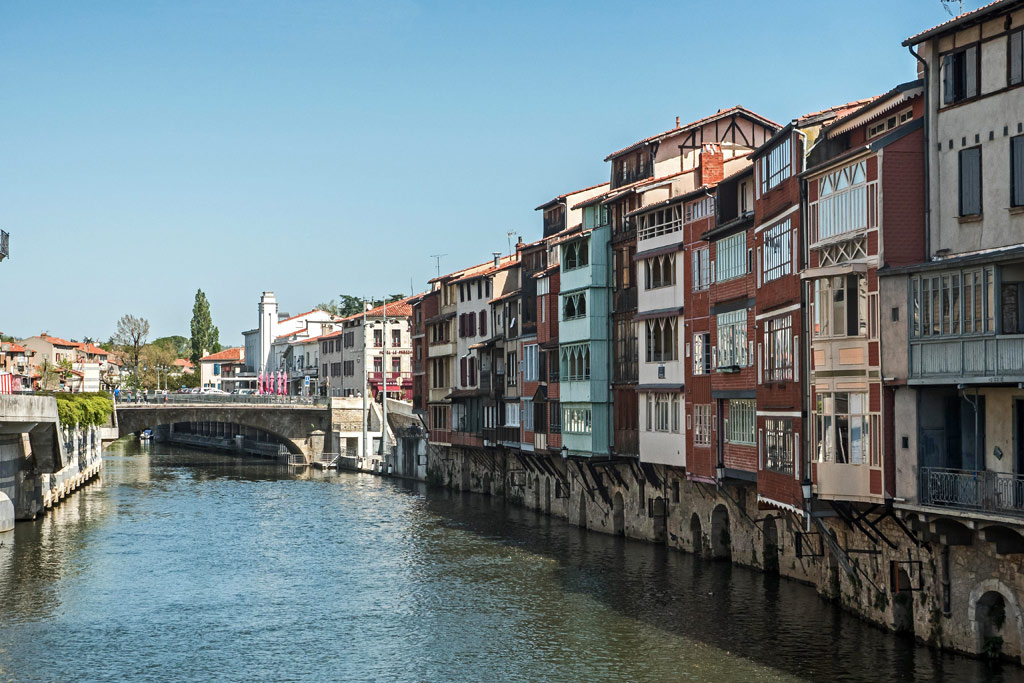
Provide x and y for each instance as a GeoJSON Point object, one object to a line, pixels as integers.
{"type": "Point", "coordinates": [712, 163]}
{"type": "Point", "coordinates": [497, 258]}
{"type": "Point", "coordinates": [677, 122]}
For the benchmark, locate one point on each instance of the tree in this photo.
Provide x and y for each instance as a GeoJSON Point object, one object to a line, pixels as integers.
{"type": "Point", "coordinates": [346, 306]}
{"type": "Point", "coordinates": [131, 337]}
{"type": "Point", "coordinates": [205, 335]}
{"type": "Point", "coordinates": [180, 346]}
{"type": "Point", "coordinates": [157, 359]}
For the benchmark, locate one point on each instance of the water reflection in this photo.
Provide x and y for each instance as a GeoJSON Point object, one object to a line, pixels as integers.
{"type": "Point", "coordinates": [192, 565]}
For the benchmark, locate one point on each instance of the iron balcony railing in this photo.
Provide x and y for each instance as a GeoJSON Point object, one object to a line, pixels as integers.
{"type": "Point", "coordinates": [973, 490]}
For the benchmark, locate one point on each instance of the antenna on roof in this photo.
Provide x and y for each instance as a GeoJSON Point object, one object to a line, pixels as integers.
{"type": "Point", "coordinates": [959, 7]}
{"type": "Point", "coordinates": [437, 262]}
{"type": "Point", "coordinates": [510, 233]}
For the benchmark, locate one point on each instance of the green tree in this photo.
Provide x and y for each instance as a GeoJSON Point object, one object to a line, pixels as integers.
{"type": "Point", "coordinates": [157, 359]}
{"type": "Point", "coordinates": [131, 337]}
{"type": "Point", "coordinates": [205, 335]}
{"type": "Point", "coordinates": [346, 305]}
{"type": "Point", "coordinates": [180, 346]}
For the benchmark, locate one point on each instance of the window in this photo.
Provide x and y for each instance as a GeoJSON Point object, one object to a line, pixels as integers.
{"type": "Point", "coordinates": [701, 269]}
{"type": "Point", "coordinates": [665, 412]}
{"type": "Point", "coordinates": [843, 428]}
{"type": "Point", "coordinates": [526, 410]}
{"type": "Point", "coordinates": [577, 254]}
{"type": "Point", "coordinates": [775, 166]}
{"type": "Point", "coordinates": [840, 306]}
{"type": "Point", "coordinates": [531, 363]}
{"type": "Point", "coordinates": [1017, 171]}
{"type": "Point", "coordinates": [778, 445]}
{"type": "Point", "coordinates": [661, 271]}
{"type": "Point", "coordinates": [512, 363]}
{"type": "Point", "coordinates": [970, 181]}
{"type": "Point", "coordinates": [575, 362]}
{"type": "Point", "coordinates": [700, 209]}
{"type": "Point", "coordinates": [1016, 52]}
{"type": "Point", "coordinates": [662, 340]}
{"type": "Point", "coordinates": [890, 122]}
{"type": "Point", "coordinates": [483, 323]}
{"type": "Point", "coordinates": [396, 364]}
{"type": "Point", "coordinates": [438, 417]}
{"type": "Point", "coordinates": [843, 203]}
{"type": "Point", "coordinates": [739, 428]}
{"type": "Point", "coordinates": [438, 372]}
{"type": "Point", "coordinates": [349, 340]}
{"type": "Point", "coordinates": [396, 338]}
{"type": "Point", "coordinates": [951, 304]}
{"type": "Point", "coordinates": [702, 353]}
{"type": "Point", "coordinates": [378, 364]}
{"type": "Point", "coordinates": [731, 257]}
{"type": "Point", "coordinates": [556, 417]}
{"type": "Point", "coordinates": [777, 257]}
{"type": "Point", "coordinates": [660, 222]}
{"type": "Point", "coordinates": [323, 370]}
{"type": "Point", "coordinates": [378, 338]}
{"type": "Point", "coordinates": [574, 306]}
{"type": "Point", "coordinates": [512, 414]}
{"type": "Point", "coordinates": [732, 339]}
{"type": "Point", "coordinates": [778, 349]}
{"type": "Point", "coordinates": [595, 216]}
{"type": "Point", "coordinates": [577, 421]}
{"type": "Point", "coordinates": [960, 75]}
{"type": "Point", "coordinates": [349, 368]}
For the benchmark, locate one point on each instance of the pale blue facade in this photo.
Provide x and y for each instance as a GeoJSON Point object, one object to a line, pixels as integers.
{"type": "Point", "coordinates": [585, 339]}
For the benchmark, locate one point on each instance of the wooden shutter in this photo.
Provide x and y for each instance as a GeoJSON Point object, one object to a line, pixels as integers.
{"type": "Point", "coordinates": [947, 79]}
{"type": "Point", "coordinates": [483, 323]}
{"type": "Point", "coordinates": [462, 371]}
{"type": "Point", "coordinates": [1017, 169]}
{"type": "Point", "coordinates": [1016, 57]}
{"type": "Point", "coordinates": [971, 72]}
{"type": "Point", "coordinates": [970, 181]}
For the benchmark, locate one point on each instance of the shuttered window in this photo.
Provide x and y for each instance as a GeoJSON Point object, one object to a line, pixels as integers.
{"type": "Point", "coordinates": [970, 181]}
{"type": "Point", "coordinates": [960, 75]}
{"type": "Point", "coordinates": [1017, 57]}
{"type": "Point", "coordinates": [1017, 171]}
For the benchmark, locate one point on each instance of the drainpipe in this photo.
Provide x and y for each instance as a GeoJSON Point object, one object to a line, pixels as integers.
{"type": "Point", "coordinates": [927, 167]}
{"type": "Point", "coordinates": [808, 333]}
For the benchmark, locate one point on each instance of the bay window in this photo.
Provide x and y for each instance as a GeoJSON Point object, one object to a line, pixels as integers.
{"type": "Point", "coordinates": [739, 427]}
{"type": "Point", "coordinates": [840, 306]}
{"type": "Point", "coordinates": [661, 271]}
{"type": "Point", "coordinates": [702, 425]}
{"type": "Point", "coordinates": [953, 304]}
{"type": "Point", "coordinates": [777, 254]}
{"type": "Point", "coordinates": [776, 165]}
{"type": "Point", "coordinates": [732, 339]}
{"type": "Point", "coordinates": [845, 432]}
{"type": "Point", "coordinates": [778, 445]}
{"type": "Point", "coordinates": [662, 341]}
{"type": "Point", "coordinates": [778, 349]}
{"type": "Point", "coordinates": [731, 257]}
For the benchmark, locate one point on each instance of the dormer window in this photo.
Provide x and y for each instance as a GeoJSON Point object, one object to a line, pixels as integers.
{"type": "Point", "coordinates": [889, 123]}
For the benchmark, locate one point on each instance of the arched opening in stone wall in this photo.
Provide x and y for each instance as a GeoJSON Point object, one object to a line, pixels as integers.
{"type": "Point", "coordinates": [536, 492]}
{"type": "Point", "coordinates": [547, 495]}
{"type": "Point", "coordinates": [990, 617]}
{"type": "Point", "coordinates": [487, 483]}
{"type": "Point", "coordinates": [721, 539]}
{"type": "Point", "coordinates": [696, 534]}
{"type": "Point", "coordinates": [581, 517]}
{"type": "Point", "coordinates": [903, 605]}
{"type": "Point", "coordinates": [770, 549]}
{"type": "Point", "coordinates": [660, 520]}
{"type": "Point", "coordinates": [223, 436]}
{"type": "Point", "coordinates": [618, 515]}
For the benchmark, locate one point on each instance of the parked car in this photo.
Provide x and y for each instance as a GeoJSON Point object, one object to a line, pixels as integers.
{"type": "Point", "coordinates": [212, 390]}
{"type": "Point", "coordinates": [244, 392]}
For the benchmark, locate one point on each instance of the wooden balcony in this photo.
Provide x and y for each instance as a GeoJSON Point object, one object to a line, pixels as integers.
{"type": "Point", "coordinates": [627, 442]}
{"type": "Point", "coordinates": [508, 434]}
{"type": "Point", "coordinates": [979, 359]}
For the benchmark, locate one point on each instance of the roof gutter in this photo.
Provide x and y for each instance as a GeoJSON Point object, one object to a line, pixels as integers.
{"type": "Point", "coordinates": [927, 145]}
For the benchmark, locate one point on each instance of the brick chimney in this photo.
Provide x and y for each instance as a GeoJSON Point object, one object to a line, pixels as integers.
{"type": "Point", "coordinates": [712, 163]}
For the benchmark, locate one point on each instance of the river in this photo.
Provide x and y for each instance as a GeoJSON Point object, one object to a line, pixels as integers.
{"type": "Point", "coordinates": [179, 564]}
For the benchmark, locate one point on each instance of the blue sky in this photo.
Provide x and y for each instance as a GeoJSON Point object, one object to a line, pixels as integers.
{"type": "Point", "coordinates": [315, 148]}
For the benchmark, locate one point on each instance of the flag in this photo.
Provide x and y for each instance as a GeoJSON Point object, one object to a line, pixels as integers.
{"type": "Point", "coordinates": [7, 383]}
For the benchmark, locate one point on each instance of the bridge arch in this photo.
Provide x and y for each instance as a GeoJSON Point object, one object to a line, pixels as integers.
{"type": "Point", "coordinates": [290, 427]}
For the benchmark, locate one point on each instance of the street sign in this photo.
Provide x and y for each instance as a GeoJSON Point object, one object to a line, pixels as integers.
{"type": "Point", "coordinates": [305, 380]}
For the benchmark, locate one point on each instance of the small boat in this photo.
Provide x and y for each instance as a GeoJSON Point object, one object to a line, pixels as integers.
{"type": "Point", "coordinates": [146, 435]}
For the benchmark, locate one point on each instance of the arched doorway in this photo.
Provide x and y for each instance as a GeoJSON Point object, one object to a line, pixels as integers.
{"type": "Point", "coordinates": [696, 534]}
{"type": "Point", "coordinates": [771, 545]}
{"type": "Point", "coordinates": [721, 540]}
{"type": "Point", "coordinates": [903, 606]}
{"type": "Point", "coordinates": [990, 616]}
{"type": "Point", "coordinates": [618, 515]}
{"type": "Point", "coordinates": [660, 520]}
{"type": "Point", "coordinates": [582, 516]}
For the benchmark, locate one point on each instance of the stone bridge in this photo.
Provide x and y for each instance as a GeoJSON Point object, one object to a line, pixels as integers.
{"type": "Point", "coordinates": [299, 426]}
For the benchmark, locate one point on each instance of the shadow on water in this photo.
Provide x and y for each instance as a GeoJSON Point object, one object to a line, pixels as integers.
{"type": "Point", "coordinates": [774, 621]}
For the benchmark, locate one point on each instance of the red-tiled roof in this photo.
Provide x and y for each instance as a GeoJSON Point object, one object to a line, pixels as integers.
{"type": "Point", "coordinates": [635, 185]}
{"type": "Point", "coordinates": [569, 194]}
{"type": "Point", "coordinates": [839, 111]}
{"type": "Point", "coordinates": [964, 18]}
{"type": "Point", "coordinates": [721, 113]}
{"type": "Point", "coordinates": [91, 348]}
{"type": "Point", "coordinates": [469, 270]}
{"type": "Point", "coordinates": [183, 363]}
{"type": "Point", "coordinates": [11, 347]}
{"type": "Point", "coordinates": [292, 334]}
{"type": "Point", "coordinates": [57, 341]}
{"type": "Point", "coordinates": [488, 271]}
{"type": "Point", "coordinates": [234, 353]}
{"type": "Point", "coordinates": [303, 315]}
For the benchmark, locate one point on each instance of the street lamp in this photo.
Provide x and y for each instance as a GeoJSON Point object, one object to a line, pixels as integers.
{"type": "Point", "coordinates": [565, 452]}
{"type": "Point", "coordinates": [805, 488]}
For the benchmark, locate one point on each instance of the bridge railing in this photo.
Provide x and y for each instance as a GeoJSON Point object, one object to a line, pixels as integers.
{"type": "Point", "coordinates": [229, 399]}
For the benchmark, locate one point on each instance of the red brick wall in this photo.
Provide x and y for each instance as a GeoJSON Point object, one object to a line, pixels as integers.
{"type": "Point", "coordinates": [903, 201]}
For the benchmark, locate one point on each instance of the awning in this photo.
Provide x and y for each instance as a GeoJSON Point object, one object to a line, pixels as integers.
{"type": "Point", "coordinates": [641, 255]}
{"type": "Point", "coordinates": [659, 313]}
{"type": "Point", "coordinates": [660, 388]}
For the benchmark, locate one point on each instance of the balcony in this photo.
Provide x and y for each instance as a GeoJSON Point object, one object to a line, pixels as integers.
{"type": "Point", "coordinates": [985, 359]}
{"type": "Point", "coordinates": [509, 434]}
{"type": "Point", "coordinates": [394, 378]}
{"type": "Point", "coordinates": [973, 490]}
